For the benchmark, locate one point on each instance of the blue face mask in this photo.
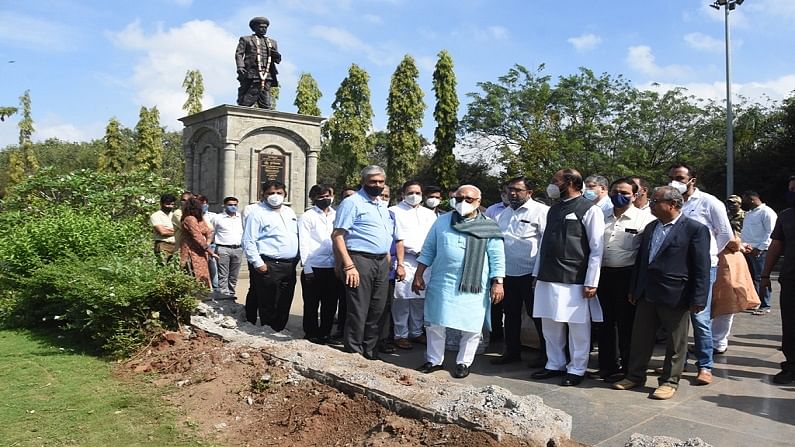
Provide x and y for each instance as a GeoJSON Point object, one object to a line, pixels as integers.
{"type": "Point", "coordinates": [620, 200]}
{"type": "Point", "coordinates": [231, 209]}
{"type": "Point", "coordinates": [205, 208]}
{"type": "Point", "coordinates": [589, 194]}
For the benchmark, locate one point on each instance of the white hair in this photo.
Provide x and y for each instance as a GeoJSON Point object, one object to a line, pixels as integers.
{"type": "Point", "coordinates": [470, 187]}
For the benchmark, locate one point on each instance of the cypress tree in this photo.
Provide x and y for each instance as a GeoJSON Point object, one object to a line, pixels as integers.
{"type": "Point", "coordinates": [446, 115]}
{"type": "Point", "coordinates": [307, 95]}
{"type": "Point", "coordinates": [349, 123]}
{"type": "Point", "coordinates": [29, 161]}
{"type": "Point", "coordinates": [194, 87]}
{"type": "Point", "coordinates": [405, 110]}
{"type": "Point", "coordinates": [110, 159]}
{"type": "Point", "coordinates": [149, 140]}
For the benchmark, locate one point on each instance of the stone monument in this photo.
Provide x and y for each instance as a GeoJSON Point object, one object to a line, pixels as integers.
{"type": "Point", "coordinates": [232, 150]}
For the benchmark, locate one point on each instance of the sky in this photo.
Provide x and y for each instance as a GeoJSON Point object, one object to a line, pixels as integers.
{"type": "Point", "coordinates": [85, 61]}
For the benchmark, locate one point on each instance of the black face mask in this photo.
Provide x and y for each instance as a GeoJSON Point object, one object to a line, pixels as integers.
{"type": "Point", "coordinates": [373, 191]}
{"type": "Point", "coordinates": [516, 202]}
{"type": "Point", "coordinates": [323, 203]}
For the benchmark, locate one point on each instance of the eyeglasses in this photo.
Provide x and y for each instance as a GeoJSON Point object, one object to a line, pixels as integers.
{"type": "Point", "coordinates": [656, 201]}
{"type": "Point", "coordinates": [516, 190]}
{"type": "Point", "coordinates": [468, 199]}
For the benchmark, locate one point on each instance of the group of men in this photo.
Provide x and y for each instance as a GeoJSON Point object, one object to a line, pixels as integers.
{"type": "Point", "coordinates": [227, 233]}
{"type": "Point", "coordinates": [639, 263]}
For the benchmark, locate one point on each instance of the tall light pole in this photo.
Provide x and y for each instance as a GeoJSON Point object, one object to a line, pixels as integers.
{"type": "Point", "coordinates": [728, 5]}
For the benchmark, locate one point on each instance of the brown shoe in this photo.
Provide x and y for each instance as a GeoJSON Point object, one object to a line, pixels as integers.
{"type": "Point", "coordinates": [420, 339]}
{"type": "Point", "coordinates": [625, 384]}
{"type": "Point", "coordinates": [403, 343]}
{"type": "Point", "coordinates": [704, 377]}
{"type": "Point", "coordinates": [663, 392]}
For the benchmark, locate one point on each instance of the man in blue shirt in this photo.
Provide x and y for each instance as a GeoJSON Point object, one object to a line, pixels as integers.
{"type": "Point", "coordinates": [361, 238]}
{"type": "Point", "coordinates": [270, 242]}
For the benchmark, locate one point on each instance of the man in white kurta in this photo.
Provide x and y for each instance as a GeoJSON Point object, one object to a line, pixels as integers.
{"type": "Point", "coordinates": [567, 271]}
{"type": "Point", "coordinates": [468, 271]}
{"type": "Point", "coordinates": [412, 223]}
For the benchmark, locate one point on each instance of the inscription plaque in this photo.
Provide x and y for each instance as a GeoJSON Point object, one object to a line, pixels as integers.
{"type": "Point", "coordinates": [272, 167]}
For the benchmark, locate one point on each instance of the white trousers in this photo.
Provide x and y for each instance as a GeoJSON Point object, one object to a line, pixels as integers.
{"type": "Point", "coordinates": [408, 317]}
{"type": "Point", "coordinates": [467, 348]}
{"type": "Point", "coordinates": [579, 345]}
{"type": "Point", "coordinates": [721, 327]}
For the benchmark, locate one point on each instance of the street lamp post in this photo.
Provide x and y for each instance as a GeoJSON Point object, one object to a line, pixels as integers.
{"type": "Point", "coordinates": [728, 5]}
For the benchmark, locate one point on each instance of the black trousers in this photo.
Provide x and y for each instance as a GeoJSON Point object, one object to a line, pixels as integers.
{"type": "Point", "coordinates": [387, 331]}
{"type": "Point", "coordinates": [252, 91]}
{"type": "Point", "coordinates": [787, 300]}
{"type": "Point", "coordinates": [648, 318]}
{"type": "Point", "coordinates": [365, 304]}
{"type": "Point", "coordinates": [322, 292]}
{"type": "Point", "coordinates": [615, 333]}
{"type": "Point", "coordinates": [271, 294]}
{"type": "Point", "coordinates": [519, 291]}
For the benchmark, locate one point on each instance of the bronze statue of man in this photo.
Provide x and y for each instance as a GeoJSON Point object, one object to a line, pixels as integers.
{"type": "Point", "coordinates": [256, 57]}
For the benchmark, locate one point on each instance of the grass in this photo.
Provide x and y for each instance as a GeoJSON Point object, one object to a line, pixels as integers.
{"type": "Point", "coordinates": [53, 395]}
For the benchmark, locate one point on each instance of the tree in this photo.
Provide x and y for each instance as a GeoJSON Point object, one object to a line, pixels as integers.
{"type": "Point", "coordinates": [16, 168]}
{"type": "Point", "coordinates": [194, 87]}
{"type": "Point", "coordinates": [446, 115]}
{"type": "Point", "coordinates": [148, 140]}
{"type": "Point", "coordinates": [405, 110]}
{"type": "Point", "coordinates": [307, 95]}
{"type": "Point", "coordinates": [23, 161]}
{"type": "Point", "coordinates": [348, 126]}
{"type": "Point", "coordinates": [111, 158]}
{"type": "Point", "coordinates": [274, 97]}
{"type": "Point", "coordinates": [5, 112]}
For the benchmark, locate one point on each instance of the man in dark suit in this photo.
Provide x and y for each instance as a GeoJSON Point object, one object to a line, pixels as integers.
{"type": "Point", "coordinates": [670, 279]}
{"type": "Point", "coordinates": [256, 57]}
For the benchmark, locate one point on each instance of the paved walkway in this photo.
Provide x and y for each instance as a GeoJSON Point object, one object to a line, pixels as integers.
{"type": "Point", "coordinates": [740, 408]}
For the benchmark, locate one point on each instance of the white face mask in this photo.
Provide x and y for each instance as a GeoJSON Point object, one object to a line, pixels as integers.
{"type": "Point", "coordinates": [553, 191]}
{"type": "Point", "coordinates": [464, 208]}
{"type": "Point", "coordinates": [679, 186]}
{"type": "Point", "coordinates": [413, 199]}
{"type": "Point", "coordinates": [275, 200]}
{"type": "Point", "coordinates": [432, 202]}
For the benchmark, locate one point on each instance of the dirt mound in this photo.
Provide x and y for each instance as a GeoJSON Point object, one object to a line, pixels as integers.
{"type": "Point", "coordinates": [243, 396]}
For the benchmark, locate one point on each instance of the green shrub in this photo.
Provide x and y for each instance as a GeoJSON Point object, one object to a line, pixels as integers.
{"type": "Point", "coordinates": [28, 243]}
{"type": "Point", "coordinates": [114, 301]}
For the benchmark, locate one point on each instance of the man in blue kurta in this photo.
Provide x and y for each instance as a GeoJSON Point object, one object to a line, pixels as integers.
{"type": "Point", "coordinates": [466, 254]}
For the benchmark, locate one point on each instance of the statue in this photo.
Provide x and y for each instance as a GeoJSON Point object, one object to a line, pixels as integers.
{"type": "Point", "coordinates": [256, 57]}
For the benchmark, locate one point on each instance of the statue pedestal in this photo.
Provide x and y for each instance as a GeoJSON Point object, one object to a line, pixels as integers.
{"type": "Point", "coordinates": [232, 150]}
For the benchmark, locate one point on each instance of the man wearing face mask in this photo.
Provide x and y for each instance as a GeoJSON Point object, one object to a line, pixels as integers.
{"type": "Point", "coordinates": [596, 192]}
{"type": "Point", "coordinates": [320, 287]}
{"type": "Point", "coordinates": [759, 223]}
{"type": "Point", "coordinates": [783, 243]}
{"type": "Point", "coordinates": [228, 242]}
{"type": "Point", "coordinates": [493, 211]}
{"type": "Point", "coordinates": [270, 241]}
{"type": "Point", "coordinates": [163, 229]}
{"type": "Point", "coordinates": [624, 227]}
{"type": "Point", "coordinates": [465, 252]}
{"type": "Point", "coordinates": [361, 238]}
{"type": "Point", "coordinates": [412, 222]}
{"type": "Point", "coordinates": [522, 225]}
{"type": "Point", "coordinates": [433, 198]}
{"type": "Point", "coordinates": [707, 210]}
{"type": "Point", "coordinates": [641, 200]}
{"type": "Point", "coordinates": [567, 272]}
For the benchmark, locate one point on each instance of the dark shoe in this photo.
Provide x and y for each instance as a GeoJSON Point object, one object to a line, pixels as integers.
{"type": "Point", "coordinates": [372, 356]}
{"type": "Point", "coordinates": [461, 371]}
{"type": "Point", "coordinates": [784, 378]}
{"type": "Point", "coordinates": [386, 347]}
{"type": "Point", "coordinates": [546, 374]}
{"type": "Point", "coordinates": [421, 339]}
{"type": "Point", "coordinates": [607, 376]}
{"type": "Point", "coordinates": [429, 367]}
{"type": "Point", "coordinates": [571, 380]}
{"type": "Point", "coordinates": [613, 378]}
{"type": "Point", "coordinates": [506, 359]}
{"type": "Point", "coordinates": [403, 343]}
{"type": "Point", "coordinates": [719, 352]}
{"type": "Point", "coordinates": [537, 362]}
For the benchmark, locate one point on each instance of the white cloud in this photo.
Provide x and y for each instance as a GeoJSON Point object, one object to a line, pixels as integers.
{"type": "Point", "coordinates": [783, 9]}
{"type": "Point", "coordinates": [777, 89]}
{"type": "Point", "coordinates": [426, 63]}
{"type": "Point", "coordinates": [33, 32]}
{"type": "Point", "coordinates": [641, 59]}
{"type": "Point", "coordinates": [348, 42]}
{"type": "Point", "coordinates": [498, 32]}
{"type": "Point", "coordinates": [167, 54]}
{"type": "Point", "coordinates": [701, 41]}
{"type": "Point", "coordinates": [585, 42]}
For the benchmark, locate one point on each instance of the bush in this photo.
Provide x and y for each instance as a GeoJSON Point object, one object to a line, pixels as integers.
{"type": "Point", "coordinates": [29, 243]}
{"type": "Point", "coordinates": [114, 301]}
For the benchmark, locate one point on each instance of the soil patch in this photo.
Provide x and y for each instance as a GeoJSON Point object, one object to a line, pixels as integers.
{"type": "Point", "coordinates": [243, 396]}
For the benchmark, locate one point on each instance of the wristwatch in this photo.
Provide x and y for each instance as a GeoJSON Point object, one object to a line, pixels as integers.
{"type": "Point", "coordinates": [498, 280]}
